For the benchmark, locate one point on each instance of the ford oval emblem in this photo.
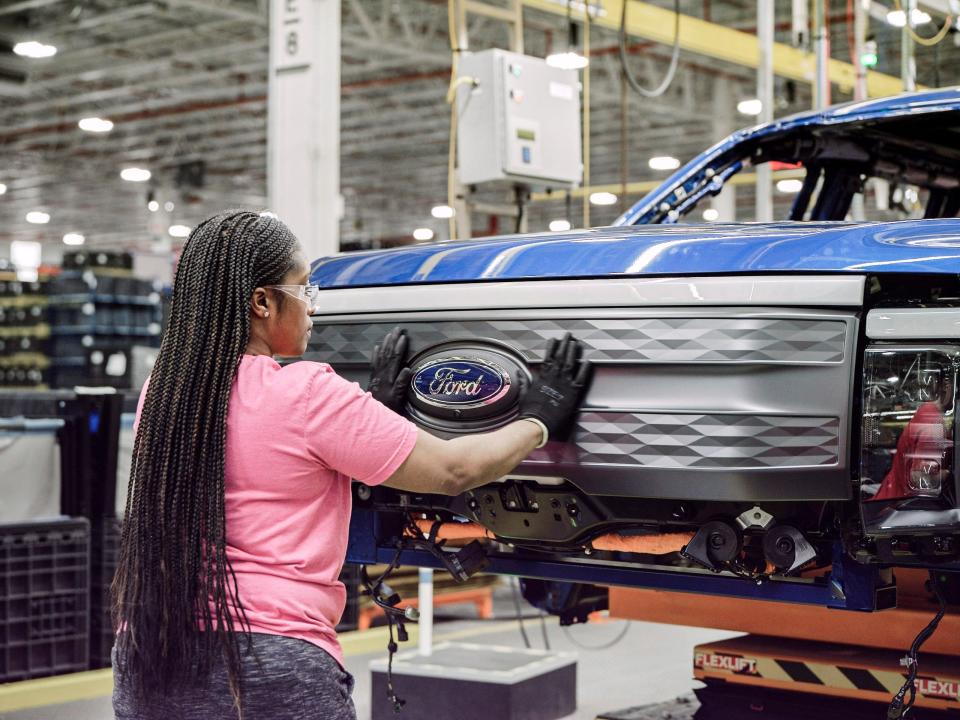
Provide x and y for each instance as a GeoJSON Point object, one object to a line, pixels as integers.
{"type": "Point", "coordinates": [457, 382]}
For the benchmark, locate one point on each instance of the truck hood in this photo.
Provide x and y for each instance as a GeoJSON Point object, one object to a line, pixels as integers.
{"type": "Point", "coordinates": [881, 115]}
{"type": "Point", "coordinates": [912, 246]}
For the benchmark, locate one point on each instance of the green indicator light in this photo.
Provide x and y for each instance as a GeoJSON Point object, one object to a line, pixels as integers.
{"type": "Point", "coordinates": [870, 53]}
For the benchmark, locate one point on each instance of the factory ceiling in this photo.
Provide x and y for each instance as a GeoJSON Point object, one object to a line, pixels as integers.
{"type": "Point", "coordinates": [185, 84]}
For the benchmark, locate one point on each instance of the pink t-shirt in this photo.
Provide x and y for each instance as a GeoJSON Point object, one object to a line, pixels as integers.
{"type": "Point", "coordinates": [296, 435]}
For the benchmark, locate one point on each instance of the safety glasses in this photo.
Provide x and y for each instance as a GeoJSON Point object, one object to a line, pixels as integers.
{"type": "Point", "coordinates": [309, 294]}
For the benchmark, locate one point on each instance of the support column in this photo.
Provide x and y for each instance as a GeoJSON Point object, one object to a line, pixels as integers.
{"type": "Point", "coordinates": [859, 41]}
{"type": "Point", "coordinates": [821, 48]}
{"type": "Point", "coordinates": [765, 28]}
{"type": "Point", "coordinates": [723, 123]}
{"type": "Point", "coordinates": [908, 63]}
{"type": "Point", "coordinates": [303, 122]}
{"type": "Point", "coordinates": [425, 606]}
{"type": "Point", "coordinates": [858, 207]}
{"type": "Point", "coordinates": [800, 23]}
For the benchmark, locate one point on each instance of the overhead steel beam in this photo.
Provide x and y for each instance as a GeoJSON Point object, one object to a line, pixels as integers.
{"type": "Point", "coordinates": [224, 9]}
{"type": "Point", "coordinates": [69, 57]}
{"type": "Point", "coordinates": [722, 43]}
{"type": "Point", "coordinates": [25, 5]}
{"type": "Point", "coordinates": [172, 65]}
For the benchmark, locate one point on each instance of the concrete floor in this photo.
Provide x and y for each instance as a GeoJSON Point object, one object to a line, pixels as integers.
{"type": "Point", "coordinates": [651, 664]}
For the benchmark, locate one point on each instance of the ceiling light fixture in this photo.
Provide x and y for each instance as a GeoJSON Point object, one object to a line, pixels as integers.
{"type": "Point", "coordinates": [711, 214]}
{"type": "Point", "coordinates": [664, 162]}
{"type": "Point", "coordinates": [898, 18]}
{"type": "Point", "coordinates": [25, 254]}
{"type": "Point", "coordinates": [153, 206]}
{"type": "Point", "coordinates": [423, 234]}
{"type": "Point", "coordinates": [559, 225]}
{"type": "Point", "coordinates": [95, 125]}
{"type": "Point", "coordinates": [602, 198]}
{"type": "Point", "coordinates": [135, 174]}
{"type": "Point", "coordinates": [3, 189]}
{"type": "Point", "coordinates": [442, 211]}
{"type": "Point", "coordinates": [751, 106]}
{"type": "Point", "coordinates": [37, 217]}
{"type": "Point", "coordinates": [569, 60]}
{"type": "Point", "coordinates": [73, 239]}
{"type": "Point", "coordinates": [790, 186]}
{"type": "Point", "coordinates": [34, 50]}
{"type": "Point", "coordinates": [179, 231]}
{"type": "Point", "coordinates": [168, 206]}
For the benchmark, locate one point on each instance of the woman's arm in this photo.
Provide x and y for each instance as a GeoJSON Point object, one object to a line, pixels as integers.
{"type": "Point", "coordinates": [450, 467]}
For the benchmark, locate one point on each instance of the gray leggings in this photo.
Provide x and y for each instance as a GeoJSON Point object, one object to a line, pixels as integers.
{"type": "Point", "coordinates": [294, 680]}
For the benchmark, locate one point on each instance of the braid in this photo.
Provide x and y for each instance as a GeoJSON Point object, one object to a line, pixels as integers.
{"type": "Point", "coordinates": [175, 592]}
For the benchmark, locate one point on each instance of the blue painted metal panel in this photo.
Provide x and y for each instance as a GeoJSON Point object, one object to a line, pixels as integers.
{"type": "Point", "coordinates": [917, 246]}
{"type": "Point", "coordinates": [629, 248]}
{"type": "Point", "coordinates": [933, 101]}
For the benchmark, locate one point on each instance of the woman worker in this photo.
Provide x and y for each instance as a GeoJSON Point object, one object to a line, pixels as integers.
{"type": "Point", "coordinates": [226, 595]}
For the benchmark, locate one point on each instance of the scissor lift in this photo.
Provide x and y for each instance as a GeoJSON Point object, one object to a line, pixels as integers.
{"type": "Point", "coordinates": [810, 662]}
{"type": "Point", "coordinates": [758, 674]}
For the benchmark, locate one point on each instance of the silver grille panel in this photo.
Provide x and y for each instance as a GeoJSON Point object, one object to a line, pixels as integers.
{"type": "Point", "coordinates": [620, 340]}
{"type": "Point", "coordinates": [741, 404]}
{"type": "Point", "coordinates": [704, 441]}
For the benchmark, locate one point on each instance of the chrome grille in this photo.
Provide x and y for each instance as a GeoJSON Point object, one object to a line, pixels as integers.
{"type": "Point", "coordinates": [618, 340]}
{"type": "Point", "coordinates": [706, 403]}
{"type": "Point", "coordinates": [703, 441]}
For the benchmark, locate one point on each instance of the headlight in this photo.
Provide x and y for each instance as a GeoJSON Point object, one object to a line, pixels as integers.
{"type": "Point", "coordinates": [908, 414]}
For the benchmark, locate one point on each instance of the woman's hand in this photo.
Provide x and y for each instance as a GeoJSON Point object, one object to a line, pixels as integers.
{"type": "Point", "coordinates": [388, 376]}
{"type": "Point", "coordinates": [451, 467]}
{"type": "Point", "coordinates": [555, 394]}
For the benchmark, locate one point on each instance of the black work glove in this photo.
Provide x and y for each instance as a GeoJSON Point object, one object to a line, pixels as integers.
{"type": "Point", "coordinates": [388, 376]}
{"type": "Point", "coordinates": [556, 393]}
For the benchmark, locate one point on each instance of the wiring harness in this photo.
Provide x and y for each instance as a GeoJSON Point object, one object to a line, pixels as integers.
{"type": "Point", "coordinates": [901, 706]}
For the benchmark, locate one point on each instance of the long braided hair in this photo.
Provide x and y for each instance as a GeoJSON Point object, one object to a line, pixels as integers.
{"type": "Point", "coordinates": [174, 593]}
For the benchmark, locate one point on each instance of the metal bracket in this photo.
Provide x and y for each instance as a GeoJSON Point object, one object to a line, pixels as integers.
{"type": "Point", "coordinates": [755, 517]}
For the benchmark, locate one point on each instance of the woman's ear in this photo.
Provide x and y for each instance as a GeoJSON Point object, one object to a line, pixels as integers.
{"type": "Point", "coordinates": [260, 303]}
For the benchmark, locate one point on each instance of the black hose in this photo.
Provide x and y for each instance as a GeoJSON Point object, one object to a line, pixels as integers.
{"type": "Point", "coordinates": [674, 58]}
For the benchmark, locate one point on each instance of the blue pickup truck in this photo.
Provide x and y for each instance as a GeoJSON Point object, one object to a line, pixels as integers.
{"type": "Point", "coordinates": [773, 408]}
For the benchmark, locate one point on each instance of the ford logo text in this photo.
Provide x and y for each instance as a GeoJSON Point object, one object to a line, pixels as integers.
{"type": "Point", "coordinates": [460, 382]}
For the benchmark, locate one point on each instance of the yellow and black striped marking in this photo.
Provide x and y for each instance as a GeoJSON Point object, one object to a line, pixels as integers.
{"type": "Point", "coordinates": [826, 669]}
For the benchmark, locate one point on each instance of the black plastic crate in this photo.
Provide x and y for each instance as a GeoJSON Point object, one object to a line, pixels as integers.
{"type": "Point", "coordinates": [44, 598]}
{"type": "Point", "coordinates": [105, 553]}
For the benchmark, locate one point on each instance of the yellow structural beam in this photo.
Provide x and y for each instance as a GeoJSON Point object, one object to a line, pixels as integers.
{"type": "Point", "coordinates": [645, 186]}
{"type": "Point", "coordinates": [722, 43]}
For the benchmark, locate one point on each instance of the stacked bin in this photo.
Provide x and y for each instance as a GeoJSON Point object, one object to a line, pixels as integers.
{"type": "Point", "coordinates": [99, 314]}
{"type": "Point", "coordinates": [24, 330]}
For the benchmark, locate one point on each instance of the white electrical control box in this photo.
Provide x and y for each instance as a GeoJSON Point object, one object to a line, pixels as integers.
{"type": "Point", "coordinates": [518, 120]}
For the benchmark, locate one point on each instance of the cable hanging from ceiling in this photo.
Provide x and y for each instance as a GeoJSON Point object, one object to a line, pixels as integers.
{"type": "Point", "coordinates": [919, 39]}
{"type": "Point", "coordinates": [674, 58]}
